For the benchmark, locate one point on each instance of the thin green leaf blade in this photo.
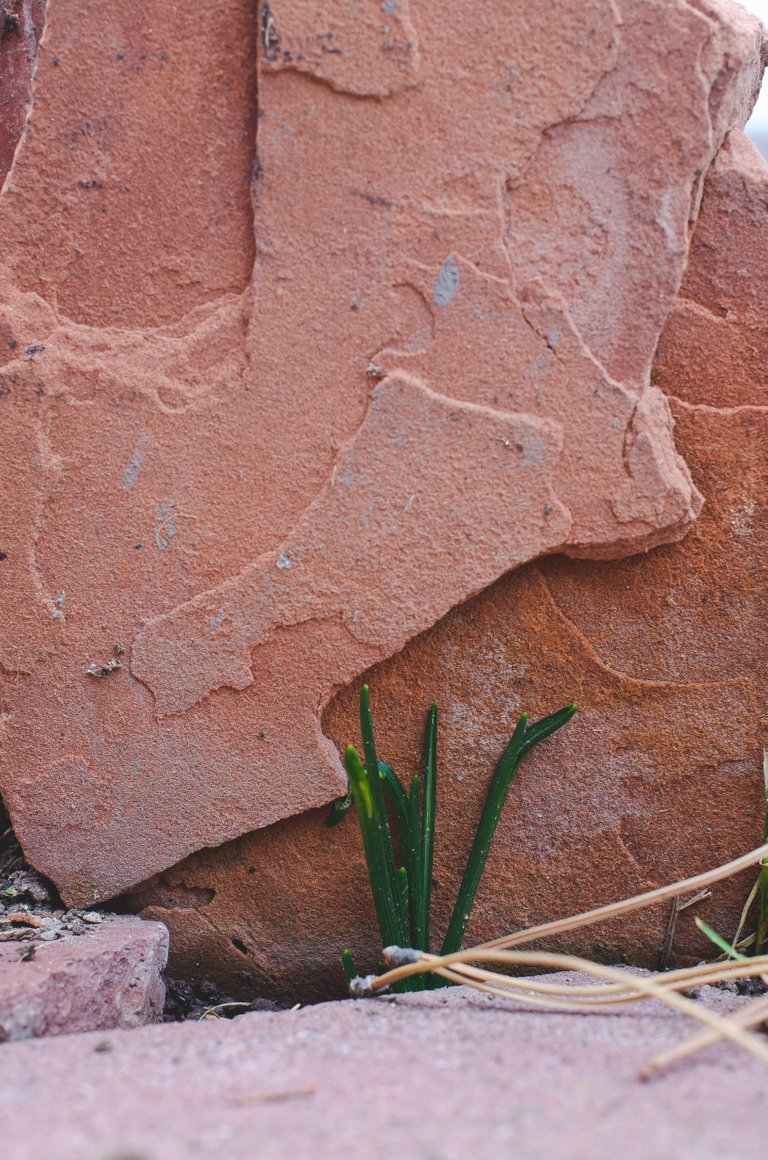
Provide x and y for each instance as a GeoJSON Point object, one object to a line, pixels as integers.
{"type": "Point", "coordinates": [372, 764]}
{"type": "Point", "coordinates": [721, 943]}
{"type": "Point", "coordinates": [377, 844]}
{"type": "Point", "coordinates": [429, 810]}
{"type": "Point", "coordinates": [414, 865]}
{"type": "Point", "coordinates": [761, 930]}
{"type": "Point", "coordinates": [348, 966]}
{"type": "Point", "coordinates": [520, 744]}
{"type": "Point", "coordinates": [402, 875]}
{"type": "Point", "coordinates": [547, 726]}
{"type": "Point", "coordinates": [398, 799]}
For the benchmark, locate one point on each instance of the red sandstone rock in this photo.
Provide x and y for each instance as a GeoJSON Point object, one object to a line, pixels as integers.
{"type": "Point", "coordinates": [714, 348]}
{"type": "Point", "coordinates": [107, 978]}
{"type": "Point", "coordinates": [209, 477]}
{"type": "Point", "coordinates": [129, 203]}
{"type": "Point", "coordinates": [660, 773]}
{"type": "Point", "coordinates": [21, 23]}
{"type": "Point", "coordinates": [453, 1074]}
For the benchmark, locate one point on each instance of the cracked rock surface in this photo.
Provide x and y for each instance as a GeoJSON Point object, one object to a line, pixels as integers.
{"type": "Point", "coordinates": [275, 402]}
{"type": "Point", "coordinates": [659, 775]}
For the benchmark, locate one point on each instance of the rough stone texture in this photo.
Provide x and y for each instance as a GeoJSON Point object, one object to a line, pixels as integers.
{"type": "Point", "coordinates": [128, 204]}
{"type": "Point", "coordinates": [260, 485]}
{"type": "Point", "coordinates": [441, 1076]}
{"type": "Point", "coordinates": [714, 348]}
{"type": "Point", "coordinates": [660, 773]}
{"type": "Point", "coordinates": [21, 23]}
{"type": "Point", "coordinates": [106, 978]}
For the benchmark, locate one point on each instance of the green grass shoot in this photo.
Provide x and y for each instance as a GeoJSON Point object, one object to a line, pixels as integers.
{"type": "Point", "coordinates": [400, 854]}
{"type": "Point", "coordinates": [722, 944]}
{"type": "Point", "coordinates": [756, 941]}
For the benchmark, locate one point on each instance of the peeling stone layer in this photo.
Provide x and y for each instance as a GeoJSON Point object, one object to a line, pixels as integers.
{"type": "Point", "coordinates": [249, 478]}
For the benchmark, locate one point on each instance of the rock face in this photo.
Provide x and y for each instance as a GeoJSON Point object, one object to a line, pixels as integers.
{"type": "Point", "coordinates": [241, 472]}
{"type": "Point", "coordinates": [292, 1081]}
{"type": "Point", "coordinates": [660, 773]}
{"type": "Point", "coordinates": [21, 22]}
{"type": "Point", "coordinates": [104, 979]}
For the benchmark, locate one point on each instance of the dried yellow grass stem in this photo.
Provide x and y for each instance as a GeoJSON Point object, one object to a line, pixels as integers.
{"type": "Point", "coordinates": [752, 1015]}
{"type": "Point", "coordinates": [616, 985]}
{"type": "Point", "coordinates": [591, 996]}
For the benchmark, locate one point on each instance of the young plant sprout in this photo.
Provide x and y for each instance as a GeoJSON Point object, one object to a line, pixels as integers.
{"type": "Point", "coordinates": [401, 874]}
{"type": "Point", "coordinates": [402, 891]}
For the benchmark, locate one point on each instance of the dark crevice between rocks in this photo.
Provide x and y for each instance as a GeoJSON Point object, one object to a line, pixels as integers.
{"type": "Point", "coordinates": [19, 882]}
{"type": "Point", "coordinates": [11, 855]}
{"type": "Point", "coordinates": [208, 1001]}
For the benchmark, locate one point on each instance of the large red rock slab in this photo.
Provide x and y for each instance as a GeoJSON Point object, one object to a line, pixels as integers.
{"type": "Point", "coordinates": [450, 1074]}
{"type": "Point", "coordinates": [252, 495]}
{"type": "Point", "coordinates": [659, 775]}
{"type": "Point", "coordinates": [106, 978]}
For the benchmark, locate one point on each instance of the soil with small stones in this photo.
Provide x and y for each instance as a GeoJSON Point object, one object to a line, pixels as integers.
{"type": "Point", "coordinates": [207, 1002]}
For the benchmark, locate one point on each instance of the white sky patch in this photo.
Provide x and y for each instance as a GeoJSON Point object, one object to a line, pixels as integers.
{"type": "Point", "coordinates": [757, 126]}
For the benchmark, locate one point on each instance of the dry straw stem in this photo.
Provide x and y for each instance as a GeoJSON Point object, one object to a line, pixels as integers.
{"type": "Point", "coordinates": [752, 1015]}
{"type": "Point", "coordinates": [579, 997]}
{"type": "Point", "coordinates": [617, 986]}
{"type": "Point", "coordinates": [647, 987]}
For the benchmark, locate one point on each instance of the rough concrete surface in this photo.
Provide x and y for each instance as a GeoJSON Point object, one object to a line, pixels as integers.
{"type": "Point", "coordinates": [439, 1077]}
{"type": "Point", "coordinates": [276, 400]}
{"type": "Point", "coordinates": [107, 977]}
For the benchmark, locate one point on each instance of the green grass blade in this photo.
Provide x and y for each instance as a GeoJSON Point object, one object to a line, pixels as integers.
{"type": "Point", "coordinates": [348, 966]}
{"type": "Point", "coordinates": [513, 747]}
{"type": "Point", "coordinates": [478, 855]}
{"type": "Point", "coordinates": [719, 941]}
{"type": "Point", "coordinates": [546, 727]}
{"type": "Point", "coordinates": [429, 809]}
{"type": "Point", "coordinates": [520, 744]}
{"type": "Point", "coordinates": [387, 851]}
{"type": "Point", "coordinates": [398, 799]}
{"type": "Point", "coordinates": [379, 855]}
{"type": "Point", "coordinates": [761, 932]}
{"type": "Point", "coordinates": [402, 876]}
{"type": "Point", "coordinates": [414, 865]}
